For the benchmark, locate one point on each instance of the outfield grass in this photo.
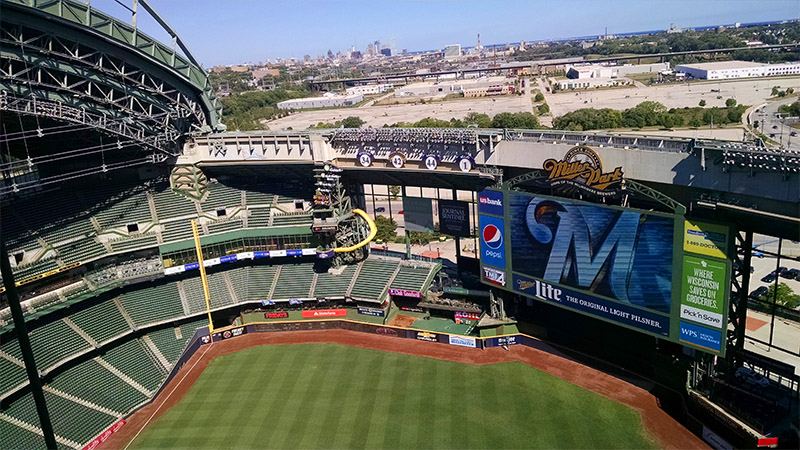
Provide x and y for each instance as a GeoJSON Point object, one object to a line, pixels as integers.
{"type": "Point", "coordinates": [331, 396]}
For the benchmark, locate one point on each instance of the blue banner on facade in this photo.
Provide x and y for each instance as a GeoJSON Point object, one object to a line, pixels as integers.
{"type": "Point", "coordinates": [595, 306]}
{"type": "Point", "coordinates": [490, 202]}
{"type": "Point", "coordinates": [701, 336]}
{"type": "Point", "coordinates": [228, 258]}
{"type": "Point", "coordinates": [260, 254]}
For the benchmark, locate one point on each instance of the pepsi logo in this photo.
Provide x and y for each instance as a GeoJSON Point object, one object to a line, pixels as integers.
{"type": "Point", "coordinates": [492, 236]}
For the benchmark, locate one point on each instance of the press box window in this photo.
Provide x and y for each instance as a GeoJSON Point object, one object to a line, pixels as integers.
{"type": "Point", "coordinates": [133, 228]}
{"type": "Point", "coordinates": [221, 212]}
{"type": "Point", "coordinates": [298, 204]}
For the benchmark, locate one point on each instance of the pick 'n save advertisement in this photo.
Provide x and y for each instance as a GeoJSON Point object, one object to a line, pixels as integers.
{"type": "Point", "coordinates": [703, 291]}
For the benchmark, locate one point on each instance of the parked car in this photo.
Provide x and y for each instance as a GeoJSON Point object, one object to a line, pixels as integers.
{"type": "Point", "coordinates": [793, 133]}
{"type": "Point", "coordinates": [380, 209]}
{"type": "Point", "coordinates": [782, 271]}
{"type": "Point", "coordinates": [769, 278]}
{"type": "Point", "coordinates": [772, 135]}
{"type": "Point", "coordinates": [762, 290]}
{"type": "Point", "coordinates": [792, 274]}
{"type": "Point", "coordinates": [751, 377]}
{"type": "Point", "coordinates": [774, 127]}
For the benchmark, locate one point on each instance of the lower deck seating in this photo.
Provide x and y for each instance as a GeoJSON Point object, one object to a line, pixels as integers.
{"type": "Point", "coordinates": [94, 383]}
{"type": "Point", "coordinates": [54, 342]}
{"type": "Point", "coordinates": [133, 360]}
{"type": "Point", "coordinates": [373, 278]}
{"type": "Point", "coordinates": [330, 285]}
{"type": "Point", "coordinates": [102, 321]}
{"type": "Point", "coordinates": [63, 414]}
{"type": "Point", "coordinates": [411, 278]}
{"type": "Point", "coordinates": [11, 375]}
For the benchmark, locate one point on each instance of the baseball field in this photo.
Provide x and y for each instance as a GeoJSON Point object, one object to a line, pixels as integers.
{"type": "Point", "coordinates": [323, 395]}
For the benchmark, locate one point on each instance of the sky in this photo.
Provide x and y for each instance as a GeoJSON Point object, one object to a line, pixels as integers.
{"type": "Point", "coordinates": [224, 32]}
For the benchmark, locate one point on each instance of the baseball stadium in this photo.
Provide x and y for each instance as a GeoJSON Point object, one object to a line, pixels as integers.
{"type": "Point", "coordinates": [167, 283]}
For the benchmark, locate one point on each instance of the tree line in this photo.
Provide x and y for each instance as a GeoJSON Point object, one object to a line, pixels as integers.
{"type": "Point", "coordinates": [649, 114]}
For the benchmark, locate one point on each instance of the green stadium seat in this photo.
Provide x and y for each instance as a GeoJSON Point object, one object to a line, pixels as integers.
{"type": "Point", "coordinates": [330, 285]}
{"type": "Point", "coordinates": [133, 360]}
{"type": "Point", "coordinates": [92, 382]}
{"type": "Point", "coordinates": [54, 342]}
{"type": "Point", "coordinates": [294, 281]}
{"type": "Point", "coordinates": [101, 322]}
{"type": "Point", "coordinates": [373, 279]}
{"type": "Point", "coordinates": [152, 304]}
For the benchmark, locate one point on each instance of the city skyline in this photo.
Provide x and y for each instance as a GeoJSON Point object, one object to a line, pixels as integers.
{"type": "Point", "coordinates": [227, 33]}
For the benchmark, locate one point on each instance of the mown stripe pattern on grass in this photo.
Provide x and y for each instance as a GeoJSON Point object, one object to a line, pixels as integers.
{"type": "Point", "coordinates": [332, 396]}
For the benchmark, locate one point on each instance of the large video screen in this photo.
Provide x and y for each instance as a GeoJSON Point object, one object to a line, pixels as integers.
{"type": "Point", "coordinates": [624, 255]}
{"type": "Point", "coordinates": [657, 273]}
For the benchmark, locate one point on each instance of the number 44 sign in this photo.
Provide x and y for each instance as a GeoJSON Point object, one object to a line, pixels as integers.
{"type": "Point", "coordinates": [431, 162]}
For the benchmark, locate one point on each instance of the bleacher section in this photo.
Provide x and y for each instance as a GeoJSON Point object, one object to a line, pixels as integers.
{"type": "Point", "coordinates": [411, 278]}
{"type": "Point", "coordinates": [101, 322]}
{"type": "Point", "coordinates": [63, 413]}
{"type": "Point", "coordinates": [54, 342]}
{"type": "Point", "coordinates": [15, 437]}
{"type": "Point", "coordinates": [132, 209]}
{"type": "Point", "coordinates": [83, 250]}
{"type": "Point", "coordinates": [259, 281]}
{"type": "Point", "coordinates": [147, 306]}
{"type": "Point", "coordinates": [292, 219]}
{"type": "Point", "coordinates": [372, 280]}
{"type": "Point", "coordinates": [329, 285]}
{"type": "Point", "coordinates": [11, 376]}
{"type": "Point", "coordinates": [294, 281]}
{"type": "Point", "coordinates": [169, 344]}
{"type": "Point", "coordinates": [133, 360]}
{"type": "Point", "coordinates": [94, 383]}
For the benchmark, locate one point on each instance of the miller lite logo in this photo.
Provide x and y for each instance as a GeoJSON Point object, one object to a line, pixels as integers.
{"type": "Point", "coordinates": [492, 236]}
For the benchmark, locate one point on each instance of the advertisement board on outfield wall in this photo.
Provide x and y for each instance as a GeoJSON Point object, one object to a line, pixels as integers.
{"type": "Point", "coordinates": [653, 272]}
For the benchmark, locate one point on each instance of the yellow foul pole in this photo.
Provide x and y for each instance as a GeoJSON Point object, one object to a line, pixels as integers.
{"type": "Point", "coordinates": [202, 275]}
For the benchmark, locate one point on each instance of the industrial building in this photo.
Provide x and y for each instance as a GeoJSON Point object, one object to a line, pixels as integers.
{"type": "Point", "coordinates": [470, 88]}
{"type": "Point", "coordinates": [452, 51]}
{"type": "Point", "coordinates": [585, 76]}
{"type": "Point", "coordinates": [723, 70]}
{"type": "Point", "coordinates": [368, 89]}
{"type": "Point", "coordinates": [329, 100]}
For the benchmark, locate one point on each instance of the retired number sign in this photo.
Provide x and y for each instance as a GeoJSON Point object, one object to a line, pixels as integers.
{"type": "Point", "coordinates": [431, 162]}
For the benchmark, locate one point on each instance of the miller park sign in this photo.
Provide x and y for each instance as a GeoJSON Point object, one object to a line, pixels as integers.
{"type": "Point", "coordinates": [581, 168]}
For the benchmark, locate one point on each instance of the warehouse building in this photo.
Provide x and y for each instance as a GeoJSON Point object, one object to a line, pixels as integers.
{"type": "Point", "coordinates": [724, 70]}
{"type": "Point", "coordinates": [328, 100]}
